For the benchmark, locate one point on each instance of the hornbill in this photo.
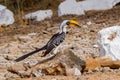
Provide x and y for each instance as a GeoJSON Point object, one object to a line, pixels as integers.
{"type": "Point", "coordinates": [55, 40]}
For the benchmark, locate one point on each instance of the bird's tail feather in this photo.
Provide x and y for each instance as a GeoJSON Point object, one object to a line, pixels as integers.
{"type": "Point", "coordinates": [29, 54]}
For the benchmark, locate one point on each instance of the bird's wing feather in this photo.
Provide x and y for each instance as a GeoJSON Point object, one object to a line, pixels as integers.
{"type": "Point", "coordinates": [54, 42]}
{"type": "Point", "coordinates": [29, 54]}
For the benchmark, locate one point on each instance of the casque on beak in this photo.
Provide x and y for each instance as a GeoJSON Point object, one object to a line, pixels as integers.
{"type": "Point", "coordinates": [74, 23]}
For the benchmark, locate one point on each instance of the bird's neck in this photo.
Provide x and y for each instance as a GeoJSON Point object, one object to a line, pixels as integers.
{"type": "Point", "coordinates": [63, 29]}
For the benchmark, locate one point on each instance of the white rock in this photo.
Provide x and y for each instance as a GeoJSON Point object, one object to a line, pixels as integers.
{"type": "Point", "coordinates": [73, 72]}
{"type": "Point", "coordinates": [6, 16]}
{"type": "Point", "coordinates": [70, 7]}
{"type": "Point", "coordinates": [77, 72]}
{"type": "Point", "coordinates": [89, 23]}
{"type": "Point", "coordinates": [78, 8]}
{"type": "Point", "coordinates": [109, 42]}
{"type": "Point", "coordinates": [2, 7]}
{"type": "Point", "coordinates": [39, 15]}
{"type": "Point", "coordinates": [95, 46]}
{"type": "Point", "coordinates": [36, 73]}
{"type": "Point", "coordinates": [98, 5]}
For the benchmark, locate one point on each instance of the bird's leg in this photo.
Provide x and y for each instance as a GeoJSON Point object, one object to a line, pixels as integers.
{"type": "Point", "coordinates": [50, 56]}
{"type": "Point", "coordinates": [43, 54]}
{"type": "Point", "coordinates": [56, 50]}
{"type": "Point", "coordinates": [53, 52]}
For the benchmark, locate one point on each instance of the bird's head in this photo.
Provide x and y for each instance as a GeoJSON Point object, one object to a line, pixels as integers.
{"type": "Point", "coordinates": [68, 24]}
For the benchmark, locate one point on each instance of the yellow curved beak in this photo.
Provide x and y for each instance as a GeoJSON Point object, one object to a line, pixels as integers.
{"type": "Point", "coordinates": [74, 23]}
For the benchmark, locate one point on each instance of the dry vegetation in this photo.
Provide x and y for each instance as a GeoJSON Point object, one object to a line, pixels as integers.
{"type": "Point", "coordinates": [21, 7]}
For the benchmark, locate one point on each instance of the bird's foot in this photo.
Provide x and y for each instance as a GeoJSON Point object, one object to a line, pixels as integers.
{"type": "Point", "coordinates": [43, 54]}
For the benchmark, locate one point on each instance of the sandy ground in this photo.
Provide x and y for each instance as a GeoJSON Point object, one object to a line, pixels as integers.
{"type": "Point", "coordinates": [82, 40]}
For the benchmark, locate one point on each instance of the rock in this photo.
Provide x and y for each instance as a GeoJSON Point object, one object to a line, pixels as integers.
{"type": "Point", "coordinates": [26, 74]}
{"type": "Point", "coordinates": [78, 63]}
{"type": "Point", "coordinates": [39, 15]}
{"type": "Point", "coordinates": [56, 69]}
{"type": "Point", "coordinates": [95, 64]}
{"type": "Point", "coordinates": [37, 73]}
{"type": "Point", "coordinates": [6, 16]}
{"type": "Point", "coordinates": [98, 5]}
{"type": "Point", "coordinates": [2, 7]}
{"type": "Point", "coordinates": [92, 64]}
{"type": "Point", "coordinates": [10, 75]}
{"type": "Point", "coordinates": [95, 46]}
{"type": "Point", "coordinates": [78, 8]}
{"type": "Point", "coordinates": [109, 42]}
{"type": "Point", "coordinates": [77, 72]}
{"type": "Point", "coordinates": [69, 7]}
{"type": "Point", "coordinates": [73, 72]}
{"type": "Point", "coordinates": [89, 23]}
{"type": "Point", "coordinates": [17, 68]}
{"type": "Point", "coordinates": [105, 69]}
{"type": "Point", "coordinates": [72, 62]}
{"type": "Point", "coordinates": [89, 72]}
{"type": "Point", "coordinates": [111, 64]}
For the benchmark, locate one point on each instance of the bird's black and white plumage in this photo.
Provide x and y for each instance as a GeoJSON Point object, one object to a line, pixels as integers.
{"type": "Point", "coordinates": [55, 40]}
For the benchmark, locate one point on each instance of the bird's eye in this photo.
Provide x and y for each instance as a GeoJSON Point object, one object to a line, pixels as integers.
{"type": "Point", "coordinates": [68, 23]}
